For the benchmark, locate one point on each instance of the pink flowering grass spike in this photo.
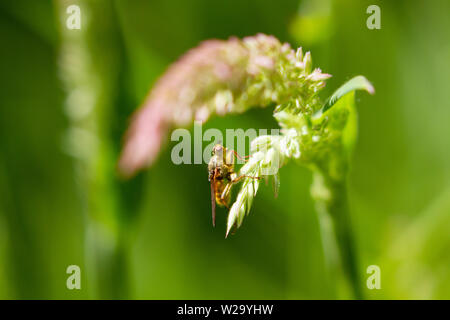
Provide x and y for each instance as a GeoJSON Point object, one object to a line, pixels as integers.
{"type": "Point", "coordinates": [218, 77]}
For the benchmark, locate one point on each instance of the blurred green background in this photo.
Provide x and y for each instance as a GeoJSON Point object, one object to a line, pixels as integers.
{"type": "Point", "coordinates": [65, 101]}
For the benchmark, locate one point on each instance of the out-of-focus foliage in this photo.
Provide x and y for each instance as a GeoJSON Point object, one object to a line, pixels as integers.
{"type": "Point", "coordinates": [399, 178]}
{"type": "Point", "coordinates": [313, 23]}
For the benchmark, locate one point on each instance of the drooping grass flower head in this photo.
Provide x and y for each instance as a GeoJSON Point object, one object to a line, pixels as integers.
{"type": "Point", "coordinates": [220, 77]}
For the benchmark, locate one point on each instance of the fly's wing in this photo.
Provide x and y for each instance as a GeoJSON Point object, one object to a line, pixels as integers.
{"type": "Point", "coordinates": [213, 202]}
{"type": "Point", "coordinates": [229, 158]}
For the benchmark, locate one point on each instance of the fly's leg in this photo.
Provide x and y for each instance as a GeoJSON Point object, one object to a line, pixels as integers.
{"type": "Point", "coordinates": [236, 180]}
{"type": "Point", "coordinates": [224, 197]}
{"type": "Point", "coordinates": [226, 192]}
{"type": "Point", "coordinates": [244, 158]}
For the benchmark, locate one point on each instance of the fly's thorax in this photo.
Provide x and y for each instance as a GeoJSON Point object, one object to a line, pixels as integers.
{"type": "Point", "coordinates": [221, 164]}
{"type": "Point", "coordinates": [215, 162]}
